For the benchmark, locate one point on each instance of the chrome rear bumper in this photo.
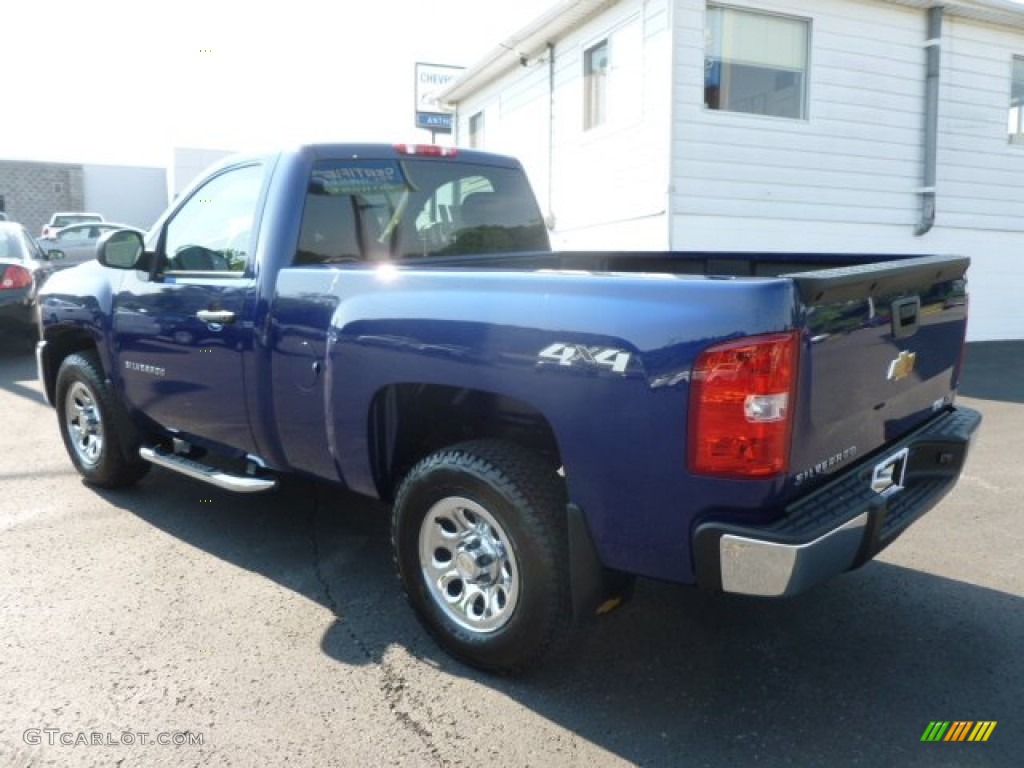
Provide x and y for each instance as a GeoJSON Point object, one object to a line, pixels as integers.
{"type": "Point", "coordinates": [840, 526]}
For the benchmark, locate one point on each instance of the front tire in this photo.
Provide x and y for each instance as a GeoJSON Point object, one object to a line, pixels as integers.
{"type": "Point", "coordinates": [86, 413]}
{"type": "Point", "coordinates": [479, 539]}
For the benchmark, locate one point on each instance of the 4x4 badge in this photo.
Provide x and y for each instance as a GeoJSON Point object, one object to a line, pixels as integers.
{"type": "Point", "coordinates": [902, 366]}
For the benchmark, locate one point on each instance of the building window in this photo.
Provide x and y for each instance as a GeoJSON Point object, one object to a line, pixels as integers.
{"type": "Point", "coordinates": [1015, 123]}
{"type": "Point", "coordinates": [595, 84]}
{"type": "Point", "coordinates": [476, 130]}
{"type": "Point", "coordinates": [755, 63]}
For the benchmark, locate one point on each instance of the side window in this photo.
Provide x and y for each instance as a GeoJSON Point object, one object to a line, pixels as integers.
{"type": "Point", "coordinates": [351, 212]}
{"type": "Point", "coordinates": [213, 231]}
{"type": "Point", "coordinates": [74, 236]}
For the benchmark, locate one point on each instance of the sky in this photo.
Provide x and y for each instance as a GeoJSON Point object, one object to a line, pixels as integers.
{"type": "Point", "coordinates": [126, 81]}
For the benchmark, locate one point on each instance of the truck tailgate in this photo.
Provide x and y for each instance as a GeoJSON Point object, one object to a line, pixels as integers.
{"type": "Point", "coordinates": [883, 356]}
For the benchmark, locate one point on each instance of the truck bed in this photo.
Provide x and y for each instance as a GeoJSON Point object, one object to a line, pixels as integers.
{"type": "Point", "coordinates": [708, 263]}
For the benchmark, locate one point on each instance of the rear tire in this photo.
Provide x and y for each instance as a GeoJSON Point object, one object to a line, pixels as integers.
{"type": "Point", "coordinates": [479, 540]}
{"type": "Point", "coordinates": [86, 414]}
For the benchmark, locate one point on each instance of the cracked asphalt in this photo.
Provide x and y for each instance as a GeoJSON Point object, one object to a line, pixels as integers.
{"type": "Point", "coordinates": [270, 631]}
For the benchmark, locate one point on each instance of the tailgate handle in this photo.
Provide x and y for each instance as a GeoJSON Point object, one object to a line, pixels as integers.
{"type": "Point", "coordinates": [906, 314]}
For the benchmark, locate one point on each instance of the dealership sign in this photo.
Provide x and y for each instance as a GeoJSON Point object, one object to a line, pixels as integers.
{"type": "Point", "coordinates": [431, 79]}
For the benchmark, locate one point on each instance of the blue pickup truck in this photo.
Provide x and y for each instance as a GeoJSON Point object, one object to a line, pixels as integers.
{"type": "Point", "coordinates": [545, 425]}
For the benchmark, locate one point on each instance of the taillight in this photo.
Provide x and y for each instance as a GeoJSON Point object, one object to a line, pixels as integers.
{"type": "Point", "coordinates": [741, 407]}
{"type": "Point", "coordinates": [14, 276]}
{"type": "Point", "coordinates": [426, 150]}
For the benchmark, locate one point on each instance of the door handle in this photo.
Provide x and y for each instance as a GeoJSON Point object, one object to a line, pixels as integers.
{"type": "Point", "coordinates": [216, 316]}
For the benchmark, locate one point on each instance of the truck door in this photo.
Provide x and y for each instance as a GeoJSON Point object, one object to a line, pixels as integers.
{"type": "Point", "coordinates": [183, 330]}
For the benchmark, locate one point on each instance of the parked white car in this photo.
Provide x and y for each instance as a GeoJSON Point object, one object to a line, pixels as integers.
{"type": "Point", "coordinates": [63, 219]}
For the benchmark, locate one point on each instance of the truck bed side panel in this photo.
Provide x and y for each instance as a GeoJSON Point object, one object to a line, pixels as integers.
{"type": "Point", "coordinates": [621, 433]}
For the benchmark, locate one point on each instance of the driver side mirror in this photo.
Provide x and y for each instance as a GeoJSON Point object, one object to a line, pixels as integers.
{"type": "Point", "coordinates": [55, 254]}
{"type": "Point", "coordinates": [121, 249]}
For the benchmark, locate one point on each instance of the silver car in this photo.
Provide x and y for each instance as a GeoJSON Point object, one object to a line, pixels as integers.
{"type": "Point", "coordinates": [78, 241]}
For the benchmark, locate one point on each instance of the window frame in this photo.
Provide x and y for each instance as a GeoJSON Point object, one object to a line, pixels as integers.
{"type": "Point", "coordinates": [805, 95]}
{"type": "Point", "coordinates": [596, 85]}
{"type": "Point", "coordinates": [476, 128]}
{"type": "Point", "coordinates": [1016, 138]}
{"type": "Point", "coordinates": [247, 270]}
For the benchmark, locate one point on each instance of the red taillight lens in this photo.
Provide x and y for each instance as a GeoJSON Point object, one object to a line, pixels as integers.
{"type": "Point", "coordinates": [426, 150]}
{"type": "Point", "coordinates": [741, 407]}
{"type": "Point", "coordinates": [14, 276]}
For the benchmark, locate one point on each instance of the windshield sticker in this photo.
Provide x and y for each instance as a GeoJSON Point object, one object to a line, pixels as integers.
{"type": "Point", "coordinates": [359, 178]}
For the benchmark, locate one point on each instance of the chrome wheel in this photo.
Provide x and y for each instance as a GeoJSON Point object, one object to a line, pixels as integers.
{"type": "Point", "coordinates": [84, 424]}
{"type": "Point", "coordinates": [99, 437]}
{"type": "Point", "coordinates": [468, 566]}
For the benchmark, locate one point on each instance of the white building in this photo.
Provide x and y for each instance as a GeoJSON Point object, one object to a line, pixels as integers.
{"type": "Point", "coordinates": [772, 125]}
{"type": "Point", "coordinates": [188, 163]}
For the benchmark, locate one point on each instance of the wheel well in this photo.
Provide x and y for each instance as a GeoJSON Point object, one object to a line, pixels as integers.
{"type": "Point", "coordinates": [410, 421]}
{"type": "Point", "coordinates": [58, 347]}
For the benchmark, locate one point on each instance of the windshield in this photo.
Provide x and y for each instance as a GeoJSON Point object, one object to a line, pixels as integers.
{"type": "Point", "coordinates": [358, 210]}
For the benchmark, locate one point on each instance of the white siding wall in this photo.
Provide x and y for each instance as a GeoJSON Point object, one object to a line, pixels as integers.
{"type": "Point", "coordinates": [608, 186]}
{"type": "Point", "coordinates": [611, 182]}
{"type": "Point", "coordinates": [855, 160]}
{"type": "Point", "coordinates": [981, 175]}
{"type": "Point", "coordinates": [846, 179]}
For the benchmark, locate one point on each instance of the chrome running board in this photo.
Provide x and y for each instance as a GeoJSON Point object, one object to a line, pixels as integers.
{"type": "Point", "coordinates": [207, 474]}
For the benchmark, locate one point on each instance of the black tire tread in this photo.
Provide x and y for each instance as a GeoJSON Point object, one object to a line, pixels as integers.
{"type": "Point", "coordinates": [115, 469]}
{"type": "Point", "coordinates": [535, 489]}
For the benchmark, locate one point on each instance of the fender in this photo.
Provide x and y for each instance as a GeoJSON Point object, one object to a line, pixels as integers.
{"type": "Point", "coordinates": [76, 312]}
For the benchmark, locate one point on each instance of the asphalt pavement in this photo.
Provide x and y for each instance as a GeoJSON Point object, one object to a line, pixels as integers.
{"type": "Point", "coordinates": [270, 631]}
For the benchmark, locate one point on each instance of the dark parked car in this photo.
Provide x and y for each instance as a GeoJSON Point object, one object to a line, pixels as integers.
{"type": "Point", "coordinates": [24, 267]}
{"type": "Point", "coordinates": [78, 241]}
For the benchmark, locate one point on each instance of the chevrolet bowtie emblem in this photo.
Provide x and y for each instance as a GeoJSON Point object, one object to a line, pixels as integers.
{"type": "Point", "coordinates": [902, 366]}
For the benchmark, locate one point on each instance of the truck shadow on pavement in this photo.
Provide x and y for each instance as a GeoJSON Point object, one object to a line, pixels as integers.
{"type": "Point", "coordinates": [851, 673]}
{"type": "Point", "coordinates": [17, 364]}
